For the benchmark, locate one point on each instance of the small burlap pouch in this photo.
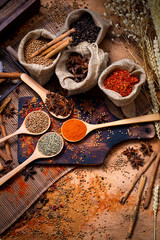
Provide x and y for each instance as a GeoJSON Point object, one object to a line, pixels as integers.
{"type": "Point", "coordinates": [104, 24]}
{"type": "Point", "coordinates": [39, 73]}
{"type": "Point", "coordinates": [97, 63]}
{"type": "Point", "coordinates": [126, 103]}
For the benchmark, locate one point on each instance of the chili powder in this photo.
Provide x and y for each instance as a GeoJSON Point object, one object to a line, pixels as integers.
{"type": "Point", "coordinates": [120, 81]}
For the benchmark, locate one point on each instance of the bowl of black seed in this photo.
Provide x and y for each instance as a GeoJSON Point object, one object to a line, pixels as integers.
{"type": "Point", "coordinates": [89, 26]}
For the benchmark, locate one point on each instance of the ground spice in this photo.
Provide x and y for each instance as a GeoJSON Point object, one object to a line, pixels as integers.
{"type": "Point", "coordinates": [74, 130]}
{"type": "Point", "coordinates": [37, 122]}
{"type": "Point", "coordinates": [121, 81]}
{"type": "Point", "coordinates": [50, 144]}
{"type": "Point", "coordinates": [33, 45]}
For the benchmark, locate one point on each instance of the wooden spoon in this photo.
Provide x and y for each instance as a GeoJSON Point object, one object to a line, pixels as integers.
{"type": "Point", "coordinates": [36, 154]}
{"type": "Point", "coordinates": [24, 130]}
{"type": "Point", "coordinates": [42, 92]}
{"type": "Point", "coordinates": [85, 128]}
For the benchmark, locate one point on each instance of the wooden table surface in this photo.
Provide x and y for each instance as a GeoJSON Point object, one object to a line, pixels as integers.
{"type": "Point", "coordinates": [84, 204]}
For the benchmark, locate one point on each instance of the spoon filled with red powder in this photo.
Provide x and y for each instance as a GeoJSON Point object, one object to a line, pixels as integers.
{"type": "Point", "coordinates": [74, 130]}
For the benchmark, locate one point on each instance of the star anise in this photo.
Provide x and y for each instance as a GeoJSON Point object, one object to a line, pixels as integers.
{"type": "Point", "coordinates": [101, 117]}
{"type": "Point", "coordinates": [146, 148]}
{"type": "Point", "coordinates": [136, 161]}
{"type": "Point", "coordinates": [28, 172]}
{"type": "Point", "coordinates": [58, 104]}
{"type": "Point", "coordinates": [9, 111]}
{"type": "Point", "coordinates": [87, 106]}
{"type": "Point", "coordinates": [130, 152]}
{"type": "Point", "coordinates": [78, 66]}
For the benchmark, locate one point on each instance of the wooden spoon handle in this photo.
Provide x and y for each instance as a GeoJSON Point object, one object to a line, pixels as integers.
{"type": "Point", "coordinates": [10, 135]}
{"type": "Point", "coordinates": [34, 85]}
{"type": "Point", "coordinates": [139, 119]}
{"type": "Point", "coordinates": [17, 169]}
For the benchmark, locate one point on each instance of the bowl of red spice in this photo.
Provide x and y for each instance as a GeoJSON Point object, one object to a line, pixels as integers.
{"type": "Point", "coordinates": [122, 82]}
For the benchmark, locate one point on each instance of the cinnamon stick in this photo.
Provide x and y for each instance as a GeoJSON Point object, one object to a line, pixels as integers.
{"type": "Point", "coordinates": [1, 167]}
{"type": "Point", "coordinates": [2, 80]}
{"type": "Point", "coordinates": [2, 107]}
{"type": "Point", "coordinates": [52, 47]}
{"type": "Point", "coordinates": [58, 49]}
{"type": "Point", "coordinates": [3, 130]}
{"type": "Point", "coordinates": [10, 75]}
{"type": "Point", "coordinates": [4, 156]}
{"type": "Point", "coordinates": [136, 205]}
{"type": "Point", "coordinates": [138, 175]}
{"type": "Point", "coordinates": [49, 44]}
{"type": "Point", "coordinates": [151, 181]}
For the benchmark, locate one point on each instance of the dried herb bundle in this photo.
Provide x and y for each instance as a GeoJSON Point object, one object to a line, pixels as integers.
{"type": "Point", "coordinates": [78, 66]}
{"type": "Point", "coordinates": [138, 22]}
{"type": "Point", "coordinates": [58, 104]}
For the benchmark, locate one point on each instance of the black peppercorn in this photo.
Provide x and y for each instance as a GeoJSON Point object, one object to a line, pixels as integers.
{"type": "Point", "coordinates": [86, 30]}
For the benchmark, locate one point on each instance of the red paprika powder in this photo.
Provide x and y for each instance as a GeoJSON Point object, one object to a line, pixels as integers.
{"type": "Point", "coordinates": [120, 81]}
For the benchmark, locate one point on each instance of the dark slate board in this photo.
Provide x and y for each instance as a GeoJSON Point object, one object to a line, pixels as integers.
{"type": "Point", "coordinates": [94, 147]}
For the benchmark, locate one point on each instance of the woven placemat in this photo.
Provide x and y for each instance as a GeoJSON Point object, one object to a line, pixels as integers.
{"type": "Point", "coordinates": [17, 195]}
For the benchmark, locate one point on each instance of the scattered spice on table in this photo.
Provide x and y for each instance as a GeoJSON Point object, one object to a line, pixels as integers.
{"type": "Point", "coordinates": [58, 104]}
{"type": "Point", "coordinates": [120, 81]}
{"type": "Point", "coordinates": [87, 106]}
{"type": "Point", "coordinates": [133, 157]}
{"type": "Point", "coordinates": [50, 144]}
{"type": "Point", "coordinates": [146, 148]}
{"type": "Point", "coordinates": [78, 66]}
{"type": "Point", "coordinates": [33, 45]}
{"type": "Point", "coordinates": [9, 111]}
{"type": "Point", "coordinates": [37, 122]}
{"type": "Point", "coordinates": [101, 117]}
{"type": "Point", "coordinates": [86, 30]}
{"type": "Point", "coordinates": [74, 130]}
{"type": "Point", "coordinates": [28, 172]}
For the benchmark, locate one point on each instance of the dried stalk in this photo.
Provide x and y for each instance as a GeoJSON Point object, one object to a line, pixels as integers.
{"type": "Point", "coordinates": [138, 175]}
{"type": "Point", "coordinates": [136, 205]}
{"type": "Point", "coordinates": [155, 207]}
{"type": "Point", "coordinates": [151, 182]}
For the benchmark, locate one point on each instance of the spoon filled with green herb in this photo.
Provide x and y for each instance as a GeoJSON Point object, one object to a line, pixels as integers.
{"type": "Point", "coordinates": [49, 145]}
{"type": "Point", "coordinates": [35, 123]}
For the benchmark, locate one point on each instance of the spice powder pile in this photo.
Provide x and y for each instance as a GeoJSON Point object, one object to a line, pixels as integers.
{"type": "Point", "coordinates": [74, 130]}
{"type": "Point", "coordinates": [50, 144]}
{"type": "Point", "coordinates": [121, 81]}
{"type": "Point", "coordinates": [37, 122]}
{"type": "Point", "coordinates": [31, 47]}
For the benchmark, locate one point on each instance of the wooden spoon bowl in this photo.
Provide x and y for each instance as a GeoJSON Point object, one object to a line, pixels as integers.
{"type": "Point", "coordinates": [36, 155]}
{"type": "Point", "coordinates": [24, 130]}
{"type": "Point", "coordinates": [42, 92]}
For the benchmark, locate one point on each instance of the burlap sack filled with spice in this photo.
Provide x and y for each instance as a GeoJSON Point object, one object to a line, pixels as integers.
{"type": "Point", "coordinates": [122, 99]}
{"type": "Point", "coordinates": [97, 62]}
{"type": "Point", "coordinates": [89, 26]}
{"type": "Point", "coordinates": [40, 69]}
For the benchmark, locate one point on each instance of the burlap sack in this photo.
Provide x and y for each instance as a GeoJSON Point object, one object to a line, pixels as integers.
{"type": "Point", "coordinates": [126, 103]}
{"type": "Point", "coordinates": [97, 63]}
{"type": "Point", "coordinates": [39, 73]}
{"type": "Point", "coordinates": [104, 24]}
